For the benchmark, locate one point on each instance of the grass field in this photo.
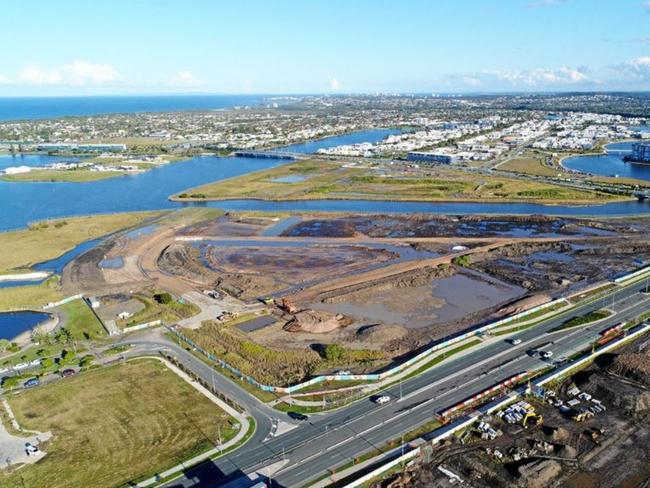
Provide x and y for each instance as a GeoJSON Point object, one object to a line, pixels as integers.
{"type": "Point", "coordinates": [168, 313]}
{"type": "Point", "coordinates": [332, 180]}
{"type": "Point", "coordinates": [114, 425]}
{"type": "Point", "coordinates": [48, 239]}
{"type": "Point", "coordinates": [530, 165]}
{"type": "Point", "coordinates": [271, 366]}
{"type": "Point", "coordinates": [72, 176]}
{"type": "Point", "coordinates": [30, 297]}
{"type": "Point", "coordinates": [80, 321]}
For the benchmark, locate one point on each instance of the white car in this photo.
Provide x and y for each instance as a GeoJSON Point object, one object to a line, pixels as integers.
{"type": "Point", "coordinates": [382, 400]}
{"type": "Point", "coordinates": [546, 354]}
{"type": "Point", "coordinates": [514, 342]}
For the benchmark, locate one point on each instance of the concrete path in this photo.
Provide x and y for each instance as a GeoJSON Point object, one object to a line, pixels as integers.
{"type": "Point", "coordinates": [12, 447]}
{"type": "Point", "coordinates": [210, 308]}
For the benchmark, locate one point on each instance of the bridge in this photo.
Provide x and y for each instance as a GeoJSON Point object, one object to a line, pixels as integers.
{"type": "Point", "coordinates": [642, 194]}
{"type": "Point", "coordinates": [271, 155]}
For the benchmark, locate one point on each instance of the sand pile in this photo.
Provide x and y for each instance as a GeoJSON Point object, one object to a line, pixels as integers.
{"type": "Point", "coordinates": [633, 366]}
{"type": "Point", "coordinates": [380, 333]}
{"type": "Point", "coordinates": [525, 303]}
{"type": "Point", "coordinates": [316, 322]}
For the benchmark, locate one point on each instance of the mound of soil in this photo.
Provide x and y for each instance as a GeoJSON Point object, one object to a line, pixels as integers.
{"type": "Point", "coordinates": [633, 366]}
{"type": "Point", "coordinates": [523, 304]}
{"type": "Point", "coordinates": [316, 322]}
{"type": "Point", "coordinates": [381, 333]}
{"type": "Point", "coordinates": [539, 473]}
{"type": "Point", "coordinates": [620, 395]}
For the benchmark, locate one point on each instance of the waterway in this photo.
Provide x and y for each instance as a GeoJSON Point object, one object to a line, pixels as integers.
{"type": "Point", "coordinates": [609, 164]}
{"type": "Point", "coordinates": [52, 107]}
{"type": "Point", "coordinates": [13, 324]}
{"type": "Point", "coordinates": [312, 147]}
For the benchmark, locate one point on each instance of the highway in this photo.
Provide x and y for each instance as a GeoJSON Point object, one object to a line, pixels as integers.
{"type": "Point", "coordinates": [331, 439]}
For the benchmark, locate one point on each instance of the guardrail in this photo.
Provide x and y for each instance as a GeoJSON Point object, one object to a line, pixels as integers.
{"type": "Point", "coordinates": [443, 432]}
{"type": "Point", "coordinates": [634, 274]}
{"type": "Point", "coordinates": [373, 376]}
{"type": "Point", "coordinates": [400, 367]}
{"type": "Point", "coordinates": [631, 334]}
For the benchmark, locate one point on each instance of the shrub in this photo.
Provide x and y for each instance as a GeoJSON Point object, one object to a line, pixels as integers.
{"type": "Point", "coordinates": [163, 298]}
{"type": "Point", "coordinates": [333, 352]}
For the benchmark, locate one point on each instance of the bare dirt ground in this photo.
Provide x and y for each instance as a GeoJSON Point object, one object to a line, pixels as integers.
{"type": "Point", "coordinates": [395, 277]}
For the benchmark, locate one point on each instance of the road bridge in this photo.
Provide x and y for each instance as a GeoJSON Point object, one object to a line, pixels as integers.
{"type": "Point", "coordinates": [271, 155]}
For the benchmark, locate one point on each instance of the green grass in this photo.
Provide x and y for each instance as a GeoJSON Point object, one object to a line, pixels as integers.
{"type": "Point", "coordinates": [530, 165]}
{"type": "Point", "coordinates": [49, 239]}
{"type": "Point", "coordinates": [30, 297]}
{"type": "Point", "coordinates": [329, 179]}
{"type": "Point", "coordinates": [583, 319]}
{"type": "Point", "coordinates": [270, 366]}
{"type": "Point", "coordinates": [168, 313]}
{"type": "Point", "coordinates": [71, 176]}
{"type": "Point", "coordinates": [113, 425]}
{"type": "Point", "coordinates": [80, 321]}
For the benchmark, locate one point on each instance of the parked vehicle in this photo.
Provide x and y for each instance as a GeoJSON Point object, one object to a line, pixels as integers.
{"type": "Point", "coordinates": [31, 382]}
{"type": "Point", "coordinates": [68, 372]}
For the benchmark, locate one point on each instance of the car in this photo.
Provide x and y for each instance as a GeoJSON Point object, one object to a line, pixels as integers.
{"type": "Point", "coordinates": [381, 400]}
{"type": "Point", "coordinates": [68, 372]}
{"type": "Point", "coordinates": [31, 382]}
{"type": "Point", "coordinates": [546, 354]}
{"type": "Point", "coordinates": [514, 342]}
{"type": "Point", "coordinates": [298, 416]}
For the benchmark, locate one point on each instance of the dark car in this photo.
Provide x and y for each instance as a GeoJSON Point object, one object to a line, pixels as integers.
{"type": "Point", "coordinates": [68, 372]}
{"type": "Point", "coordinates": [298, 416]}
{"type": "Point", "coordinates": [32, 382]}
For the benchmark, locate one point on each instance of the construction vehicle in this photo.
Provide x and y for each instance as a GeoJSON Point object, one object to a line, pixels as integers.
{"type": "Point", "coordinates": [582, 415]}
{"type": "Point", "coordinates": [532, 416]}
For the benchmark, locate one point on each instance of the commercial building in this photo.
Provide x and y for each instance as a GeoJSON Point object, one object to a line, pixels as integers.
{"type": "Point", "coordinates": [640, 153]}
{"type": "Point", "coordinates": [430, 157]}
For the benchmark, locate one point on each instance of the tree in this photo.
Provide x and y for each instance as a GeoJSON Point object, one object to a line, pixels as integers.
{"type": "Point", "coordinates": [333, 352]}
{"type": "Point", "coordinates": [163, 298]}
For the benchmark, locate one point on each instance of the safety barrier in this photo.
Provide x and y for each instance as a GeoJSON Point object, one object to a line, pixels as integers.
{"type": "Point", "coordinates": [146, 325]}
{"type": "Point", "coordinates": [634, 274]}
{"type": "Point", "coordinates": [632, 333]}
{"type": "Point", "coordinates": [368, 377]}
{"type": "Point", "coordinates": [62, 302]}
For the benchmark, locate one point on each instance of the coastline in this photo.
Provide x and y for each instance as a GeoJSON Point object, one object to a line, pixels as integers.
{"type": "Point", "coordinates": [33, 276]}
{"type": "Point", "coordinates": [550, 203]}
{"type": "Point", "coordinates": [45, 327]}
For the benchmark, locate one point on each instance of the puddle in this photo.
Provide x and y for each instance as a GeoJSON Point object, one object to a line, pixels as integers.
{"type": "Point", "coordinates": [257, 323]}
{"type": "Point", "coordinates": [112, 263]}
{"type": "Point", "coordinates": [278, 228]}
{"type": "Point", "coordinates": [289, 179]}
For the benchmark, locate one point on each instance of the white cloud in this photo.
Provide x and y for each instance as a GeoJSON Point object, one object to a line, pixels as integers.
{"type": "Point", "coordinates": [77, 73]}
{"type": "Point", "coordinates": [4, 80]}
{"type": "Point", "coordinates": [540, 78]}
{"type": "Point", "coordinates": [335, 84]}
{"type": "Point", "coordinates": [185, 79]}
{"type": "Point", "coordinates": [545, 3]}
{"type": "Point", "coordinates": [639, 68]}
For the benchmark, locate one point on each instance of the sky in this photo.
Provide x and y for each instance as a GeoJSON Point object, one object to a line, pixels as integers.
{"type": "Point", "coordinates": [78, 47]}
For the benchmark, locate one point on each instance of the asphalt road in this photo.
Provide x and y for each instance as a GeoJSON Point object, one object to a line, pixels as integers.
{"type": "Point", "coordinates": [328, 440]}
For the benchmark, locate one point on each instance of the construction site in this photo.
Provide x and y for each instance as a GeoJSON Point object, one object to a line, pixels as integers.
{"type": "Point", "coordinates": [572, 433]}
{"type": "Point", "coordinates": [381, 288]}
